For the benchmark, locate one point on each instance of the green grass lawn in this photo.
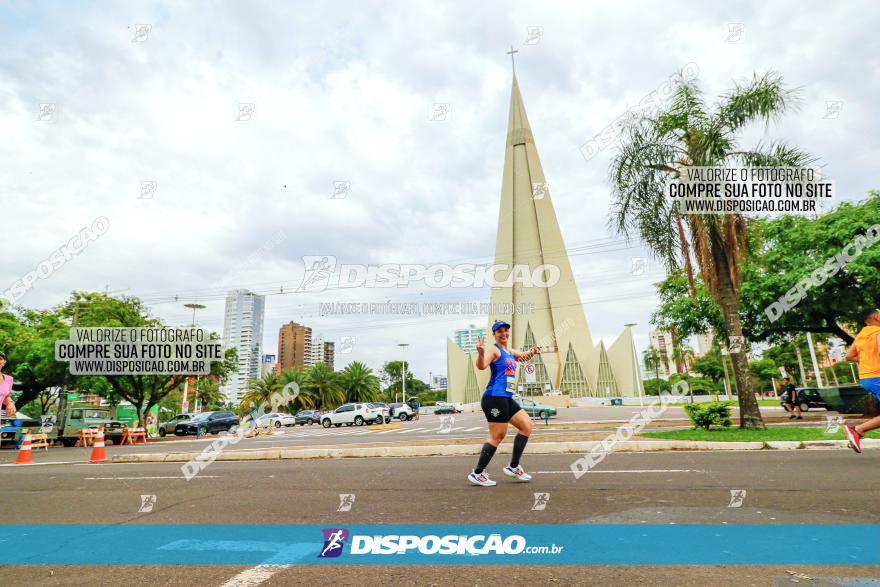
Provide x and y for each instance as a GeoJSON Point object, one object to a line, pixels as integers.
{"type": "Point", "coordinates": [772, 433]}
{"type": "Point", "coordinates": [769, 402]}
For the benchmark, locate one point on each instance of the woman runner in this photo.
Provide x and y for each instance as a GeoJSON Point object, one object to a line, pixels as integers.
{"type": "Point", "coordinates": [499, 406]}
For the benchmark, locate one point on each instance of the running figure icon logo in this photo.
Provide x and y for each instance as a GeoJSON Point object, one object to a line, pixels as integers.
{"type": "Point", "coordinates": [541, 500]}
{"type": "Point", "coordinates": [736, 344]}
{"type": "Point", "coordinates": [446, 423]}
{"type": "Point", "coordinates": [334, 540]}
{"type": "Point", "coordinates": [147, 503]}
{"type": "Point", "coordinates": [346, 500]}
{"type": "Point", "coordinates": [737, 497]}
{"type": "Point", "coordinates": [833, 424]}
{"type": "Point", "coordinates": [318, 270]}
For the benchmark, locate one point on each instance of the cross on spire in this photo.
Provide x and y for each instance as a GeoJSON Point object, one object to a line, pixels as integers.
{"type": "Point", "coordinates": [512, 64]}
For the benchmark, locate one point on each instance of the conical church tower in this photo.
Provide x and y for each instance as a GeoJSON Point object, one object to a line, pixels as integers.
{"type": "Point", "coordinates": [529, 235]}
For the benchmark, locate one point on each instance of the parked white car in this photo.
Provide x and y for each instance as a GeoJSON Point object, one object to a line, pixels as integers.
{"type": "Point", "coordinates": [276, 419]}
{"type": "Point", "coordinates": [402, 412]}
{"type": "Point", "coordinates": [352, 414]}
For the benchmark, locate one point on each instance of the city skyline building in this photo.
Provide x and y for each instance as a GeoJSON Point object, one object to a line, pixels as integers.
{"type": "Point", "coordinates": [243, 330]}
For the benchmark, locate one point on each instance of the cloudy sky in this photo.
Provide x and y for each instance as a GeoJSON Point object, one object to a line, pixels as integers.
{"type": "Point", "coordinates": [346, 92]}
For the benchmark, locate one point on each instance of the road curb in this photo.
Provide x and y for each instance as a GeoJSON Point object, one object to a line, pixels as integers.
{"type": "Point", "coordinates": [468, 450]}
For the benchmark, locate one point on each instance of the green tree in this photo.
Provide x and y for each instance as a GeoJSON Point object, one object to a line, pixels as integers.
{"type": "Point", "coordinates": [392, 376]}
{"type": "Point", "coordinates": [651, 358]}
{"type": "Point", "coordinates": [359, 383]}
{"type": "Point", "coordinates": [687, 315]}
{"type": "Point", "coordinates": [682, 354]}
{"type": "Point", "coordinates": [656, 386]}
{"type": "Point", "coordinates": [789, 249]}
{"type": "Point", "coordinates": [325, 384]}
{"type": "Point", "coordinates": [655, 150]}
{"type": "Point", "coordinates": [709, 365]}
{"type": "Point", "coordinates": [142, 391]}
{"type": "Point", "coordinates": [207, 392]}
{"type": "Point", "coordinates": [259, 391]}
{"type": "Point", "coordinates": [763, 371]}
{"type": "Point", "coordinates": [27, 337]}
{"type": "Point", "coordinates": [306, 400]}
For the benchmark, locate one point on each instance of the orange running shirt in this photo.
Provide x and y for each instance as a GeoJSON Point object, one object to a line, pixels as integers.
{"type": "Point", "coordinates": [869, 354]}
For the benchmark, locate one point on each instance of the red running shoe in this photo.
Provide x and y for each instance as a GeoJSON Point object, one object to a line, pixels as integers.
{"type": "Point", "coordinates": [855, 438]}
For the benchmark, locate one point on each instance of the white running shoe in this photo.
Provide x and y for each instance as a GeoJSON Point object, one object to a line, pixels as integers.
{"type": "Point", "coordinates": [480, 479]}
{"type": "Point", "coordinates": [517, 472]}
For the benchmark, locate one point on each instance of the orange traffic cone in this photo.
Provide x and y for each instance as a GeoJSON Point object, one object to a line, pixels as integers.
{"type": "Point", "coordinates": [98, 453]}
{"type": "Point", "coordinates": [24, 453]}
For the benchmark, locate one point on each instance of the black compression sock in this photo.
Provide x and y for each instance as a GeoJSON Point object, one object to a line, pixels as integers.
{"type": "Point", "coordinates": [485, 456]}
{"type": "Point", "coordinates": [519, 445]}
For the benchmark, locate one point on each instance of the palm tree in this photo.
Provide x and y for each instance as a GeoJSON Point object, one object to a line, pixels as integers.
{"type": "Point", "coordinates": [683, 355]}
{"type": "Point", "coordinates": [651, 357]}
{"type": "Point", "coordinates": [259, 391]}
{"type": "Point", "coordinates": [359, 383]}
{"type": "Point", "coordinates": [324, 383]}
{"type": "Point", "coordinates": [655, 150]}
{"type": "Point", "coordinates": [306, 400]}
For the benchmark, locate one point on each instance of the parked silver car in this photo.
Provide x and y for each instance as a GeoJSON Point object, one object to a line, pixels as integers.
{"type": "Point", "coordinates": [168, 427]}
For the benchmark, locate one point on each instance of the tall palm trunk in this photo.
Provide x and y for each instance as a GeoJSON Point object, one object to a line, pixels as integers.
{"type": "Point", "coordinates": [749, 413]}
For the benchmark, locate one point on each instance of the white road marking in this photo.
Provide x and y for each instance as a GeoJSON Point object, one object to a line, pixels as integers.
{"type": "Point", "coordinates": [410, 430]}
{"type": "Point", "coordinates": [49, 463]}
{"type": "Point", "coordinates": [474, 429]}
{"type": "Point", "coordinates": [570, 472]}
{"type": "Point", "coordinates": [137, 478]}
{"type": "Point", "coordinates": [254, 575]}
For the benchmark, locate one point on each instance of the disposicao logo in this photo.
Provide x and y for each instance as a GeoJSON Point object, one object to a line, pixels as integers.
{"type": "Point", "coordinates": [334, 540]}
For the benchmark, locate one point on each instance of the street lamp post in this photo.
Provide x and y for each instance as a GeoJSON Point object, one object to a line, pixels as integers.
{"type": "Point", "coordinates": [185, 403]}
{"type": "Point", "coordinates": [403, 346]}
{"type": "Point", "coordinates": [638, 373]}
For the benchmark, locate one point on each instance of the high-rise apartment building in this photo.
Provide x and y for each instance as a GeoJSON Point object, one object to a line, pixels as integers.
{"type": "Point", "coordinates": [243, 330]}
{"type": "Point", "coordinates": [467, 338]}
{"type": "Point", "coordinates": [662, 341]}
{"type": "Point", "coordinates": [329, 354]}
{"type": "Point", "coordinates": [294, 345]}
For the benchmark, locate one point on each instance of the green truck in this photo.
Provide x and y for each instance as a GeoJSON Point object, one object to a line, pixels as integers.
{"type": "Point", "coordinates": [75, 417]}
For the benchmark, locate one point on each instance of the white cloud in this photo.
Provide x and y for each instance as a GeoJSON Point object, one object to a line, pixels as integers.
{"type": "Point", "coordinates": [344, 91]}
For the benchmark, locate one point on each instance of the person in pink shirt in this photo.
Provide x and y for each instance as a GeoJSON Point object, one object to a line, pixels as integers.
{"type": "Point", "coordinates": [6, 389]}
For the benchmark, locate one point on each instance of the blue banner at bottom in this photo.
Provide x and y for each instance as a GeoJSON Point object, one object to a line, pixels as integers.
{"type": "Point", "coordinates": [532, 544]}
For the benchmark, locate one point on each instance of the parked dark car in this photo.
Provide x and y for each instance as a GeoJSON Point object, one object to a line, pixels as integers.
{"type": "Point", "coordinates": [205, 422]}
{"type": "Point", "coordinates": [808, 397]}
{"type": "Point", "coordinates": [308, 417]}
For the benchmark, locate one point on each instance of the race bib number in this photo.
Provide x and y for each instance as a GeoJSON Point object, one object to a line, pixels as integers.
{"type": "Point", "coordinates": [511, 384]}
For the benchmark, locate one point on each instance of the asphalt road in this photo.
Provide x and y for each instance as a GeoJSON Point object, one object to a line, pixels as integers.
{"type": "Point", "coordinates": [465, 426]}
{"type": "Point", "coordinates": [806, 486]}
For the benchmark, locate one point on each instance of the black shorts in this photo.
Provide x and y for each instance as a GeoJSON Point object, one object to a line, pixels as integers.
{"type": "Point", "coordinates": [499, 409]}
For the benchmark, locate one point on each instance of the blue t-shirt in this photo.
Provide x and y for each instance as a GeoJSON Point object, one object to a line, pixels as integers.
{"type": "Point", "coordinates": [502, 382]}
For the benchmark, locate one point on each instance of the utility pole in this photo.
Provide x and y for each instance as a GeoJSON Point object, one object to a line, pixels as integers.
{"type": "Point", "coordinates": [797, 349]}
{"type": "Point", "coordinates": [403, 346]}
{"type": "Point", "coordinates": [185, 403]}
{"type": "Point", "coordinates": [638, 372]}
{"type": "Point", "coordinates": [815, 362]}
